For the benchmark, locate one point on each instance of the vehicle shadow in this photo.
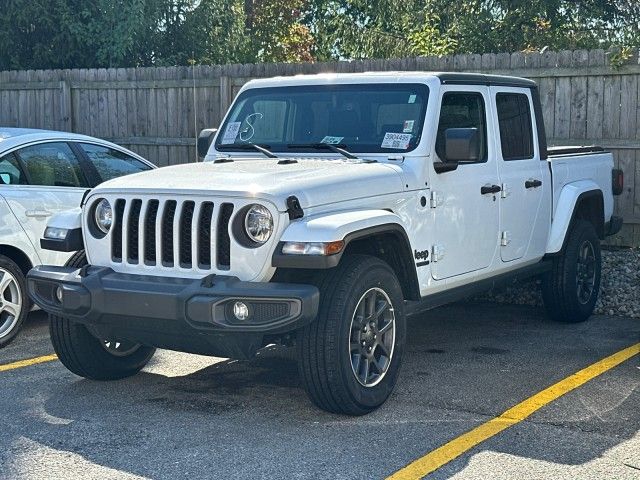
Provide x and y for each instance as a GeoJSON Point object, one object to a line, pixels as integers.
{"type": "Point", "coordinates": [463, 365]}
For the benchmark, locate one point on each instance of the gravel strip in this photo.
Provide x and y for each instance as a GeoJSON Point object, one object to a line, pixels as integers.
{"type": "Point", "coordinates": [619, 288]}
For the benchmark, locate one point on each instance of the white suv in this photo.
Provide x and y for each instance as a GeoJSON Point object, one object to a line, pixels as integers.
{"type": "Point", "coordinates": [43, 173]}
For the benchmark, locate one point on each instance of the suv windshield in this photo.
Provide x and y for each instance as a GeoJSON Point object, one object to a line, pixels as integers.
{"type": "Point", "coordinates": [360, 118]}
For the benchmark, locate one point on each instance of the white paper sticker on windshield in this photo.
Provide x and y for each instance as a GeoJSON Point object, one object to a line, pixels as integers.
{"type": "Point", "coordinates": [396, 140]}
{"type": "Point", "coordinates": [230, 133]}
{"type": "Point", "coordinates": [412, 99]}
{"type": "Point", "coordinates": [407, 127]}
{"type": "Point", "coordinates": [331, 140]}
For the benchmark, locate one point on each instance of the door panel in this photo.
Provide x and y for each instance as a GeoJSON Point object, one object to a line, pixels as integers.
{"type": "Point", "coordinates": [466, 221]}
{"type": "Point", "coordinates": [42, 172]}
{"type": "Point", "coordinates": [521, 171]}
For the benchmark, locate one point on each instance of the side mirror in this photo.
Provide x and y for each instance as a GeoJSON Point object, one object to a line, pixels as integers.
{"type": "Point", "coordinates": [462, 145]}
{"type": "Point", "coordinates": [204, 141]}
{"type": "Point", "coordinates": [5, 178]}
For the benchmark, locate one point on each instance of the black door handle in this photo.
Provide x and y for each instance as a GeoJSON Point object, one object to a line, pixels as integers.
{"type": "Point", "coordinates": [532, 184]}
{"type": "Point", "coordinates": [490, 189]}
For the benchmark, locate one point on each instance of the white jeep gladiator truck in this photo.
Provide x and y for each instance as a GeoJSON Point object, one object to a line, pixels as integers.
{"type": "Point", "coordinates": [328, 209]}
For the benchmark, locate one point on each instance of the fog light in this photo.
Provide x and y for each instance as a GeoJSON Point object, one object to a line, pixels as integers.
{"type": "Point", "coordinates": [240, 310]}
{"type": "Point", "coordinates": [59, 294]}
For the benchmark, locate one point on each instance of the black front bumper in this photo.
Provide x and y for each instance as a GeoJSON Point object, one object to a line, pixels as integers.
{"type": "Point", "coordinates": [181, 314]}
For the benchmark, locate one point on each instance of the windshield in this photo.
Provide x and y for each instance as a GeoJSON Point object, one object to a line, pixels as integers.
{"type": "Point", "coordinates": [360, 118]}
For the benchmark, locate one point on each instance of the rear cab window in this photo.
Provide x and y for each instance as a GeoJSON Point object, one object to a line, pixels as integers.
{"type": "Point", "coordinates": [516, 131]}
{"type": "Point", "coordinates": [367, 118]}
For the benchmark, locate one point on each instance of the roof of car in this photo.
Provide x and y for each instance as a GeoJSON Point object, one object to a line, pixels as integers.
{"type": "Point", "coordinates": [451, 78]}
{"type": "Point", "coordinates": [11, 138]}
{"type": "Point", "coordinates": [8, 132]}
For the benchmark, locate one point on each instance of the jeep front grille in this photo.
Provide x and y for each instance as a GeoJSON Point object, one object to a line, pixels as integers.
{"type": "Point", "coordinates": [172, 233]}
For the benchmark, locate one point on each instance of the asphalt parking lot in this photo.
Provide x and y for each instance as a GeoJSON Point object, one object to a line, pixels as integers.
{"type": "Point", "coordinates": [188, 416]}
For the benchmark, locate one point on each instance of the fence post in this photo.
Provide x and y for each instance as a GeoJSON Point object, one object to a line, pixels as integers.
{"type": "Point", "coordinates": [66, 112]}
{"type": "Point", "coordinates": [225, 95]}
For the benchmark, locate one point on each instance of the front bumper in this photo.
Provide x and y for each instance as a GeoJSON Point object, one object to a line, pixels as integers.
{"type": "Point", "coordinates": [181, 314]}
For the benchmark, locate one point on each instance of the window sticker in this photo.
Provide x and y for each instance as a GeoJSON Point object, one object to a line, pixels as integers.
{"type": "Point", "coordinates": [230, 133]}
{"type": "Point", "coordinates": [399, 141]}
{"type": "Point", "coordinates": [407, 127]}
{"type": "Point", "coordinates": [331, 140]}
{"type": "Point", "coordinates": [412, 98]}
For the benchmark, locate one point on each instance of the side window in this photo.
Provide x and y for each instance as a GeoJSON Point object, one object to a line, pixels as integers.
{"type": "Point", "coordinates": [52, 164]}
{"type": "Point", "coordinates": [111, 163]}
{"type": "Point", "coordinates": [516, 133]}
{"type": "Point", "coordinates": [10, 171]}
{"type": "Point", "coordinates": [462, 110]}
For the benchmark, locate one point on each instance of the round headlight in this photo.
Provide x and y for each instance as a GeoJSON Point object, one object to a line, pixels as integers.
{"type": "Point", "coordinates": [258, 223]}
{"type": "Point", "coordinates": [103, 216]}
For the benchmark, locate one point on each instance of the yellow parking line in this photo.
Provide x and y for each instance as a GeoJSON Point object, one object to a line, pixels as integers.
{"type": "Point", "coordinates": [27, 363]}
{"type": "Point", "coordinates": [456, 447]}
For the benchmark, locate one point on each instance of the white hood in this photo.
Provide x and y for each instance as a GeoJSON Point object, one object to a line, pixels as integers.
{"type": "Point", "coordinates": [314, 181]}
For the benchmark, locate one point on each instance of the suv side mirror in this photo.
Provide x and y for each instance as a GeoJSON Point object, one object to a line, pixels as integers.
{"type": "Point", "coordinates": [204, 141]}
{"type": "Point", "coordinates": [5, 179]}
{"type": "Point", "coordinates": [461, 145]}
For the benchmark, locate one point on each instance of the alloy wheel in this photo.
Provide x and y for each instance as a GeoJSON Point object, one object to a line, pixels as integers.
{"type": "Point", "coordinates": [372, 337]}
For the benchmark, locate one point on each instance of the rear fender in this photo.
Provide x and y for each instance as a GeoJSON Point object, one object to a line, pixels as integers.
{"type": "Point", "coordinates": [569, 200]}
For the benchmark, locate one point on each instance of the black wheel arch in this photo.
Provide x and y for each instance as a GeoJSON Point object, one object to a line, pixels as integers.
{"type": "Point", "coordinates": [388, 242]}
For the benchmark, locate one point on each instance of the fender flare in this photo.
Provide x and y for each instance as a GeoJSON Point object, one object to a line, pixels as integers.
{"type": "Point", "coordinates": [570, 197]}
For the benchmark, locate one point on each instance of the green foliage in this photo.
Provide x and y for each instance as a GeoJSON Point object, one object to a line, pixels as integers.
{"type": "Point", "coordinates": [124, 33]}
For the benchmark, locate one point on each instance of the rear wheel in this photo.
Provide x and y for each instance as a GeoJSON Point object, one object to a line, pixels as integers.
{"type": "Point", "coordinates": [350, 356]}
{"type": "Point", "coordinates": [87, 356]}
{"type": "Point", "coordinates": [14, 302]}
{"type": "Point", "coordinates": [570, 290]}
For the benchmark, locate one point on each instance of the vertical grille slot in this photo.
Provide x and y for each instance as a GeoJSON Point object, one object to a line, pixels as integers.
{"type": "Point", "coordinates": [116, 235]}
{"type": "Point", "coordinates": [223, 240]}
{"type": "Point", "coordinates": [204, 237]}
{"type": "Point", "coordinates": [186, 222]}
{"type": "Point", "coordinates": [133, 231]}
{"type": "Point", "coordinates": [167, 233]}
{"type": "Point", "coordinates": [150, 244]}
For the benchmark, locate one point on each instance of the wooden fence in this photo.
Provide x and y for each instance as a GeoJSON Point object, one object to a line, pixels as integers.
{"type": "Point", "coordinates": [158, 112]}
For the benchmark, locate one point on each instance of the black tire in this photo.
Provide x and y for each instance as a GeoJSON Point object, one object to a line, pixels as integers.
{"type": "Point", "coordinates": [324, 348]}
{"type": "Point", "coordinates": [11, 324]}
{"type": "Point", "coordinates": [563, 288]}
{"type": "Point", "coordinates": [87, 356]}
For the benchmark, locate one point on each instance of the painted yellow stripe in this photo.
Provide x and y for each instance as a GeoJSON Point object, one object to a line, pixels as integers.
{"type": "Point", "coordinates": [27, 363]}
{"type": "Point", "coordinates": [460, 445]}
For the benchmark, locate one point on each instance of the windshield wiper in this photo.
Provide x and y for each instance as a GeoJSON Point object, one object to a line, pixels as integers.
{"type": "Point", "coordinates": [249, 146]}
{"type": "Point", "coordinates": [339, 148]}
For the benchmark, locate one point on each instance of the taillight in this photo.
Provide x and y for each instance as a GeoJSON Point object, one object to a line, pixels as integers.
{"type": "Point", "coordinates": [617, 181]}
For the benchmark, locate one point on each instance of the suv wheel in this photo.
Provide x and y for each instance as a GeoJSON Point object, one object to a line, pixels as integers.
{"type": "Point", "coordinates": [14, 302]}
{"type": "Point", "coordinates": [87, 356]}
{"type": "Point", "coordinates": [570, 290]}
{"type": "Point", "coordinates": [350, 356]}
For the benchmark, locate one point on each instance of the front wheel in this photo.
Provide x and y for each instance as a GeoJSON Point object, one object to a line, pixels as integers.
{"type": "Point", "coordinates": [90, 357]}
{"type": "Point", "coordinates": [350, 356]}
{"type": "Point", "coordinates": [570, 290]}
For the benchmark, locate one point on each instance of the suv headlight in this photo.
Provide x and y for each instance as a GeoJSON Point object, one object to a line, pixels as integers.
{"type": "Point", "coordinates": [103, 215]}
{"type": "Point", "coordinates": [258, 224]}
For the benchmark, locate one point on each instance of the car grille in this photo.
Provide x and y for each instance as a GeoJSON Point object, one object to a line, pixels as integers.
{"type": "Point", "coordinates": [172, 233]}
